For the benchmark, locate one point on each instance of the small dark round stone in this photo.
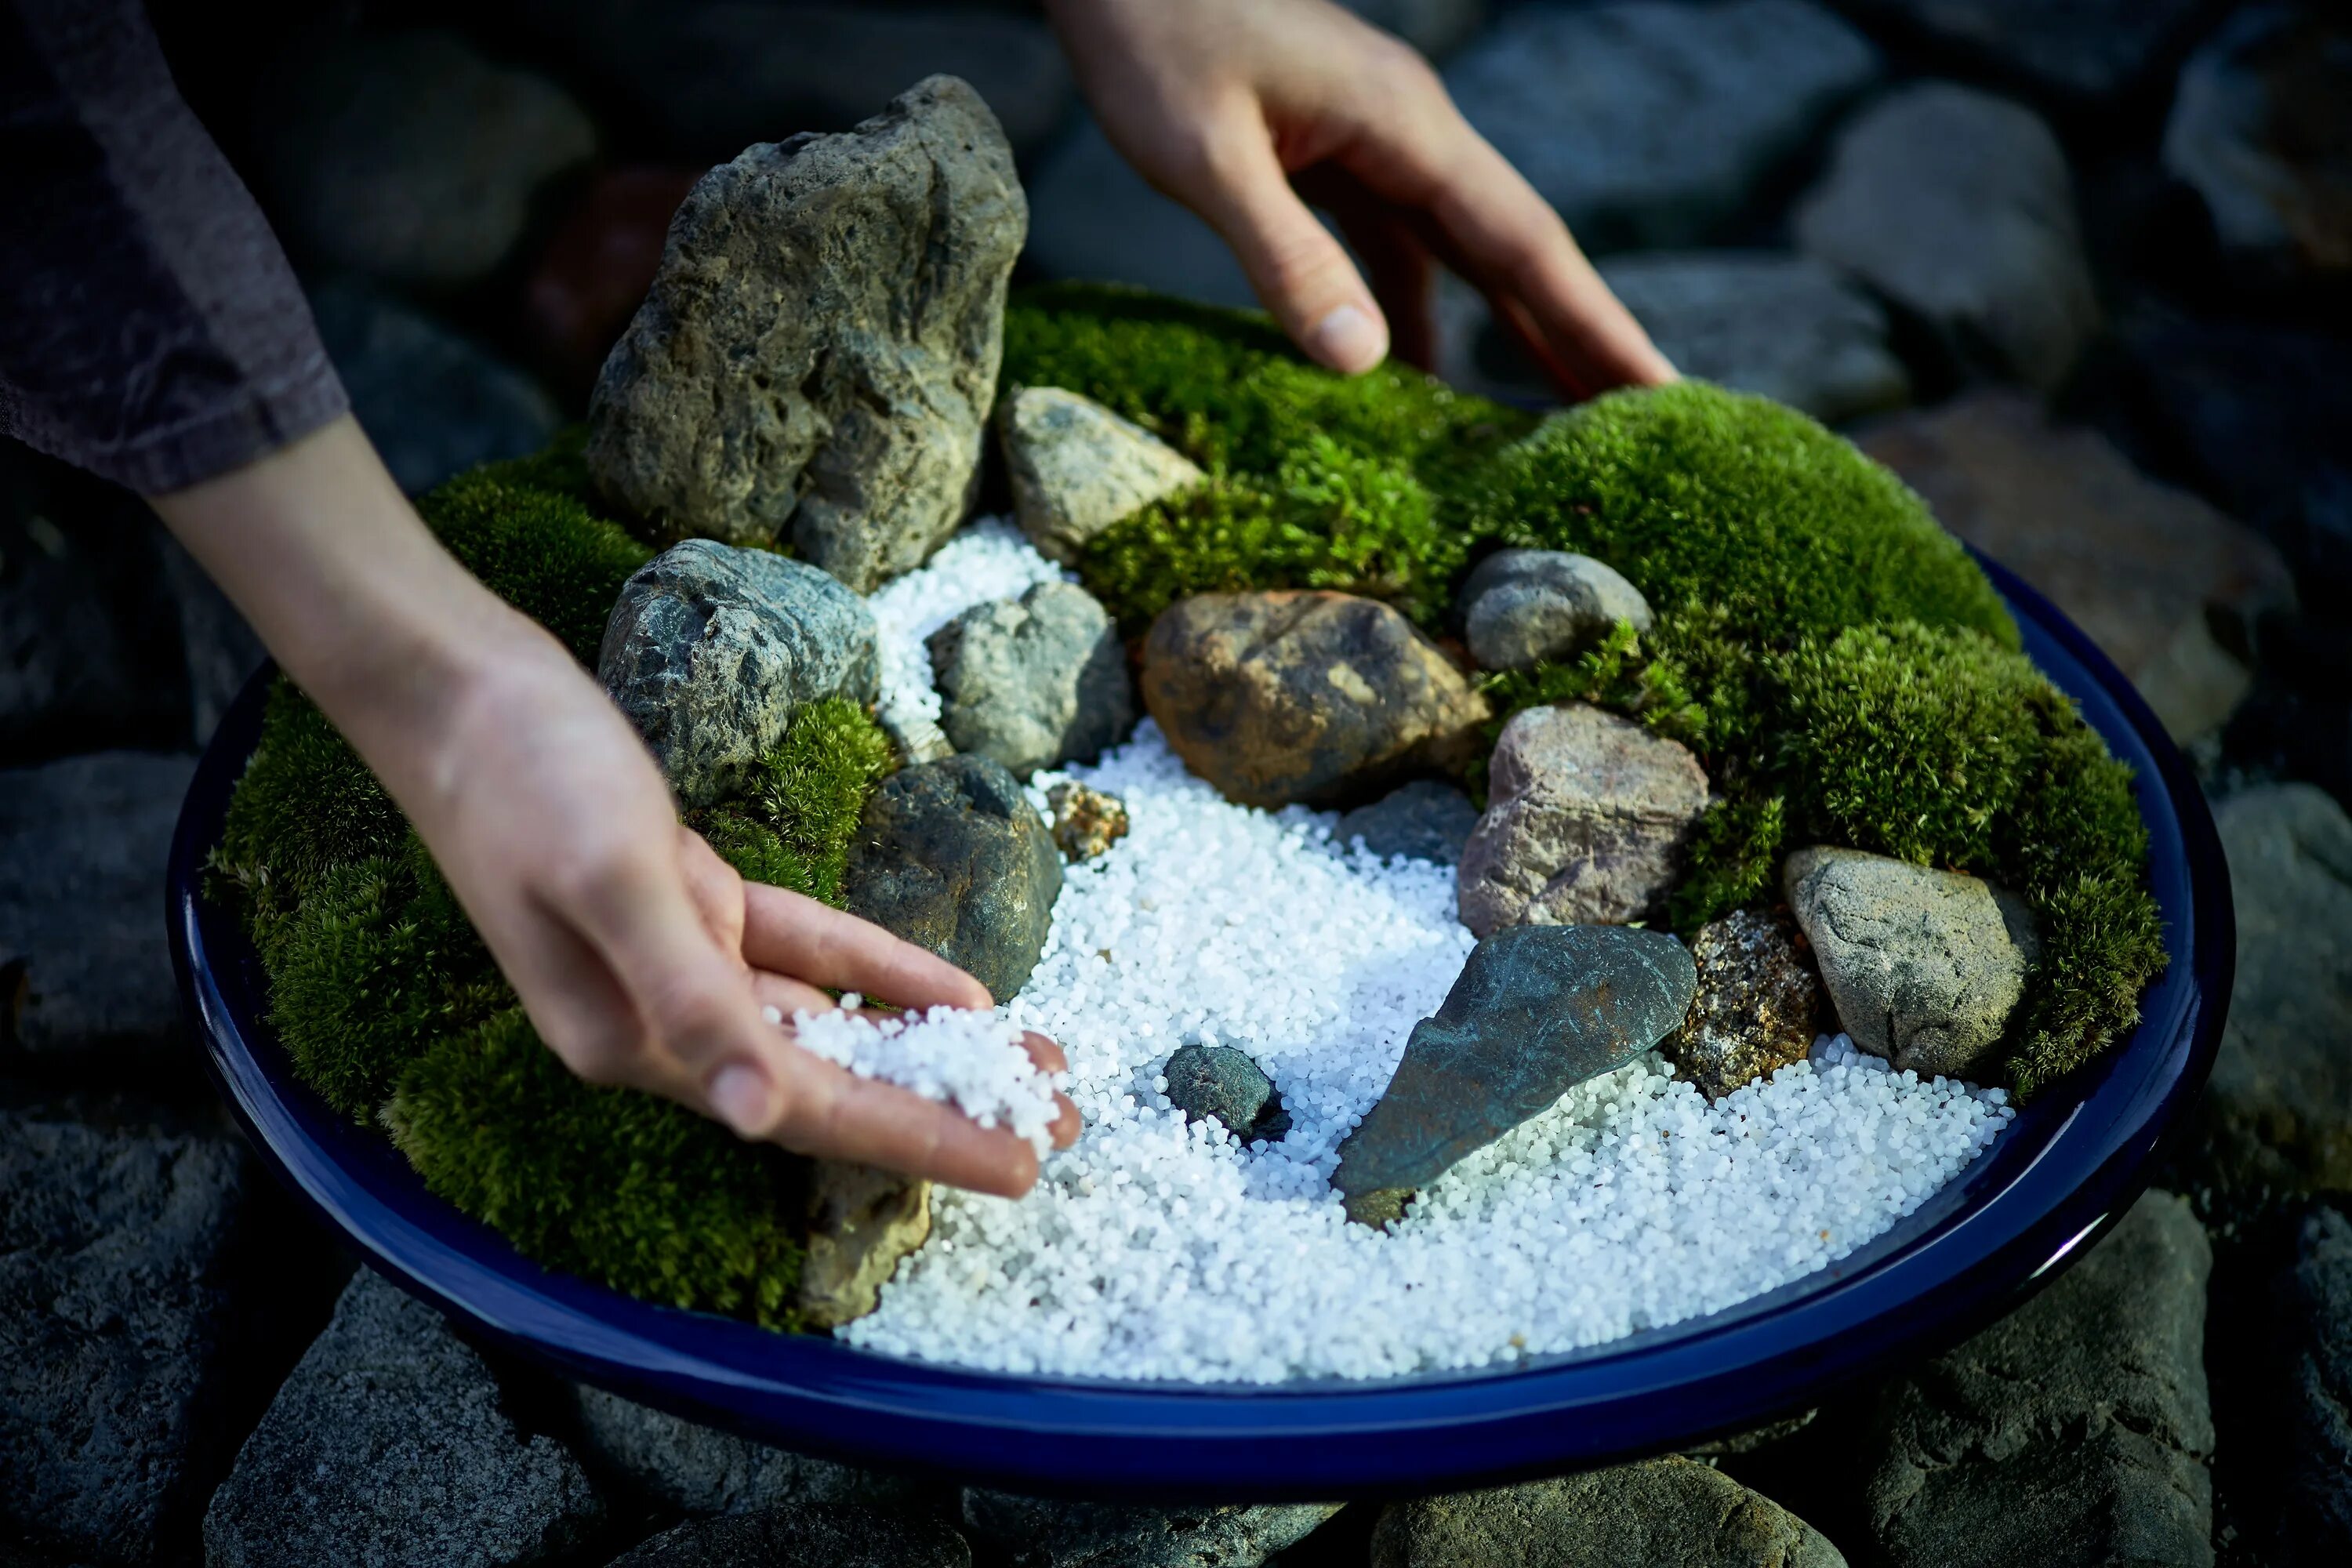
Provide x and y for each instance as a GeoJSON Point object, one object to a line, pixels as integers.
{"type": "Point", "coordinates": [1220, 1082]}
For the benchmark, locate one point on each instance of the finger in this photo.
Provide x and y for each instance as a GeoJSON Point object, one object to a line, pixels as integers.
{"type": "Point", "coordinates": [1067, 1122]}
{"type": "Point", "coordinates": [716, 887]}
{"type": "Point", "coordinates": [1298, 270]}
{"type": "Point", "coordinates": [1048, 1056]}
{"type": "Point", "coordinates": [573, 1000]}
{"type": "Point", "coordinates": [1402, 272]}
{"type": "Point", "coordinates": [835, 1115]}
{"type": "Point", "coordinates": [788, 995]}
{"type": "Point", "coordinates": [788, 934]}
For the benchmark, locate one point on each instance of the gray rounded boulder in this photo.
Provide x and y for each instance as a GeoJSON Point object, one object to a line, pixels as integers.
{"type": "Point", "coordinates": [1522, 605]}
{"type": "Point", "coordinates": [1035, 681]}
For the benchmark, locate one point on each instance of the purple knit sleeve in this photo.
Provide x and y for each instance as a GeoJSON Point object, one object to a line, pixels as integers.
{"type": "Point", "coordinates": [151, 330]}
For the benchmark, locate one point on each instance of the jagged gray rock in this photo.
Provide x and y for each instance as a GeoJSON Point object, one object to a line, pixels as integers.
{"type": "Point", "coordinates": [818, 355]}
{"type": "Point", "coordinates": [1035, 681]}
{"type": "Point", "coordinates": [803, 1536]}
{"type": "Point", "coordinates": [1076, 468]}
{"type": "Point", "coordinates": [691, 1468]}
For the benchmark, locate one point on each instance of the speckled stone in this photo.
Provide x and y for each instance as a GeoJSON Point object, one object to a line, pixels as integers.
{"type": "Point", "coordinates": [1757, 1005]}
{"type": "Point", "coordinates": [1221, 1083]}
{"type": "Point", "coordinates": [1086, 821]}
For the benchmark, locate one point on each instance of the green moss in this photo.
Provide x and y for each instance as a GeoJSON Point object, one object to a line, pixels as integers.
{"type": "Point", "coordinates": [1734, 853]}
{"type": "Point", "coordinates": [612, 1185]}
{"type": "Point", "coordinates": [791, 826]}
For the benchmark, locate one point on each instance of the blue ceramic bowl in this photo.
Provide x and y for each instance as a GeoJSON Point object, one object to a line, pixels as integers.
{"type": "Point", "coordinates": [2072, 1162]}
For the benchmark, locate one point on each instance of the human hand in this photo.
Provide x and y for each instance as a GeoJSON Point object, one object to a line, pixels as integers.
{"type": "Point", "coordinates": [1223, 104]}
{"type": "Point", "coordinates": [641, 957]}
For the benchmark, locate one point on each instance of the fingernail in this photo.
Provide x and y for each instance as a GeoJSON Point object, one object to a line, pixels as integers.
{"type": "Point", "coordinates": [1349, 340]}
{"type": "Point", "coordinates": [740, 1094]}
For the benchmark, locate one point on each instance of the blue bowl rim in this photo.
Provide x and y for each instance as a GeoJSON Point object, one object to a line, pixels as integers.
{"type": "Point", "coordinates": [2073, 1160]}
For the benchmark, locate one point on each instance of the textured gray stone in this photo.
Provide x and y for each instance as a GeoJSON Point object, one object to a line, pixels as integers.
{"type": "Point", "coordinates": [82, 959]}
{"type": "Point", "coordinates": [1536, 1011]}
{"type": "Point", "coordinates": [409, 157]}
{"type": "Point", "coordinates": [1587, 813]}
{"type": "Point", "coordinates": [390, 1445]}
{"type": "Point", "coordinates": [1959, 207]}
{"type": "Point", "coordinates": [862, 1221]}
{"type": "Point", "coordinates": [684, 1467]}
{"type": "Point", "coordinates": [1781, 325]}
{"type": "Point", "coordinates": [951, 856]}
{"type": "Point", "coordinates": [1032, 1532]}
{"type": "Point", "coordinates": [2074, 1431]}
{"type": "Point", "coordinates": [1661, 1513]}
{"type": "Point", "coordinates": [806, 1536]}
{"type": "Point", "coordinates": [1652, 124]}
{"type": "Point", "coordinates": [1219, 1082]}
{"type": "Point", "coordinates": [1924, 966]}
{"type": "Point", "coordinates": [1423, 820]}
{"type": "Point", "coordinates": [1522, 605]}
{"type": "Point", "coordinates": [710, 649]}
{"type": "Point", "coordinates": [776, 383]}
{"type": "Point", "coordinates": [1076, 468]}
{"type": "Point", "coordinates": [433, 402]}
{"type": "Point", "coordinates": [1316, 696]}
{"type": "Point", "coordinates": [2313, 1303]}
{"type": "Point", "coordinates": [1757, 1004]}
{"type": "Point", "coordinates": [1035, 681]}
{"type": "Point", "coordinates": [117, 1308]}
{"type": "Point", "coordinates": [2083, 51]}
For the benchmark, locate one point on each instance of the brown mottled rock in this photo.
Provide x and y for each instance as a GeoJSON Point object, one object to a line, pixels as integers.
{"type": "Point", "coordinates": [862, 1221]}
{"type": "Point", "coordinates": [1925, 966]}
{"type": "Point", "coordinates": [1587, 813]}
{"type": "Point", "coordinates": [2168, 587]}
{"type": "Point", "coordinates": [1076, 468]}
{"type": "Point", "coordinates": [817, 358]}
{"type": "Point", "coordinates": [1086, 821]}
{"type": "Point", "coordinates": [1757, 998]}
{"type": "Point", "coordinates": [1315, 697]}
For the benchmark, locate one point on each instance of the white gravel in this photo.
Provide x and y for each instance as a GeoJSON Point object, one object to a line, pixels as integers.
{"type": "Point", "coordinates": [988, 559]}
{"type": "Point", "coordinates": [1158, 1250]}
{"type": "Point", "coordinates": [973, 1062]}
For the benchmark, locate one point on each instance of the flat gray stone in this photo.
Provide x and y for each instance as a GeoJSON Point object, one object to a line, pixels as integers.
{"type": "Point", "coordinates": [1033, 682]}
{"type": "Point", "coordinates": [117, 1310]}
{"type": "Point", "coordinates": [1959, 207]}
{"type": "Point", "coordinates": [1924, 966]}
{"type": "Point", "coordinates": [1522, 606]}
{"type": "Point", "coordinates": [2075, 1431]}
{"type": "Point", "coordinates": [1034, 1533]}
{"type": "Point", "coordinates": [1423, 820]}
{"type": "Point", "coordinates": [776, 384]}
{"type": "Point", "coordinates": [710, 649]}
{"type": "Point", "coordinates": [951, 856]}
{"type": "Point", "coordinates": [1076, 468]}
{"type": "Point", "coordinates": [1536, 1011]}
{"type": "Point", "coordinates": [1587, 813]}
{"type": "Point", "coordinates": [1773, 322]}
{"type": "Point", "coordinates": [1660, 1513]}
{"type": "Point", "coordinates": [686, 1467]}
{"type": "Point", "coordinates": [1652, 124]}
{"type": "Point", "coordinates": [83, 964]}
{"type": "Point", "coordinates": [804, 1536]}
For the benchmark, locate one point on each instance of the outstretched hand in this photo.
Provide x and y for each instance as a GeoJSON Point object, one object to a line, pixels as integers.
{"type": "Point", "coordinates": [1244, 109]}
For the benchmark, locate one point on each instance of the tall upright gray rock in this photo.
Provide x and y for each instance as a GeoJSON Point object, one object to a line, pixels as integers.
{"type": "Point", "coordinates": [817, 357]}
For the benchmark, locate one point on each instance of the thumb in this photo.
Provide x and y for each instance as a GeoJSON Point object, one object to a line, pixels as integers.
{"type": "Point", "coordinates": [1300, 272]}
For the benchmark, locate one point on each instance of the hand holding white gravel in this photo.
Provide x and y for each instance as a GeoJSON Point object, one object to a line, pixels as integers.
{"type": "Point", "coordinates": [979, 1062]}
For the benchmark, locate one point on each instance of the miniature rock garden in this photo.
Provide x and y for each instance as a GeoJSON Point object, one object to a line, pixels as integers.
{"type": "Point", "coordinates": [1502, 881]}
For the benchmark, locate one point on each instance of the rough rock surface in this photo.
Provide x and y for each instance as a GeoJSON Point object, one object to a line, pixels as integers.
{"type": "Point", "coordinates": [1522, 605]}
{"type": "Point", "coordinates": [1757, 1005]}
{"type": "Point", "coordinates": [914, 738]}
{"type": "Point", "coordinates": [1032, 1532]}
{"type": "Point", "coordinates": [82, 960]}
{"type": "Point", "coordinates": [1587, 813]}
{"type": "Point", "coordinates": [2087, 51]}
{"type": "Point", "coordinates": [951, 856]}
{"type": "Point", "coordinates": [1661, 1513]}
{"type": "Point", "coordinates": [2074, 1431]}
{"type": "Point", "coordinates": [433, 402]}
{"type": "Point", "coordinates": [390, 1445]}
{"type": "Point", "coordinates": [2313, 1314]}
{"type": "Point", "coordinates": [1959, 207]}
{"type": "Point", "coordinates": [711, 648]}
{"type": "Point", "coordinates": [1923, 965]}
{"type": "Point", "coordinates": [1537, 1011]}
{"type": "Point", "coordinates": [1654, 124]}
{"type": "Point", "coordinates": [1315, 697]}
{"type": "Point", "coordinates": [1205, 1081]}
{"type": "Point", "coordinates": [2167, 586]}
{"type": "Point", "coordinates": [1773, 322]}
{"type": "Point", "coordinates": [1423, 820]}
{"type": "Point", "coordinates": [116, 1308]}
{"type": "Point", "coordinates": [862, 1221]}
{"type": "Point", "coordinates": [407, 156]}
{"type": "Point", "coordinates": [684, 1467]}
{"type": "Point", "coordinates": [1076, 468]}
{"type": "Point", "coordinates": [2276, 1115]}
{"type": "Point", "coordinates": [1035, 681]}
{"type": "Point", "coordinates": [777, 382]}
{"type": "Point", "coordinates": [806, 1536]}
{"type": "Point", "coordinates": [1086, 821]}
{"type": "Point", "coordinates": [2257, 127]}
